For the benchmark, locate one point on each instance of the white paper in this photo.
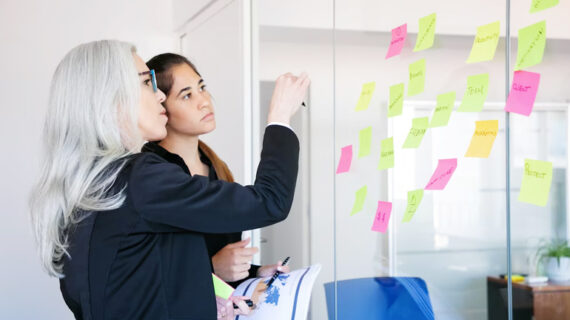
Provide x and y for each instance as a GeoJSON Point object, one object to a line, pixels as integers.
{"type": "Point", "coordinates": [288, 297]}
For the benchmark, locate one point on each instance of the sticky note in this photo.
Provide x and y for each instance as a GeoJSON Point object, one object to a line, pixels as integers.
{"type": "Point", "coordinates": [398, 38]}
{"type": "Point", "coordinates": [417, 132]}
{"type": "Point", "coordinates": [382, 217]}
{"type": "Point", "coordinates": [475, 93]}
{"type": "Point", "coordinates": [483, 139]}
{"type": "Point", "coordinates": [345, 159]}
{"type": "Point", "coordinates": [414, 199]}
{"type": "Point", "coordinates": [536, 181]}
{"type": "Point", "coordinates": [221, 288]}
{"type": "Point", "coordinates": [359, 200]}
{"type": "Point", "coordinates": [365, 140]}
{"type": "Point", "coordinates": [386, 154]}
{"type": "Point", "coordinates": [531, 43]}
{"type": "Point", "coordinates": [417, 77]}
{"type": "Point", "coordinates": [426, 33]}
{"type": "Point", "coordinates": [523, 92]}
{"type": "Point", "coordinates": [396, 100]}
{"type": "Point", "coordinates": [443, 109]}
{"type": "Point", "coordinates": [485, 43]}
{"type": "Point", "coordinates": [443, 172]}
{"type": "Point", "coordinates": [365, 96]}
{"type": "Point", "coordinates": [539, 5]}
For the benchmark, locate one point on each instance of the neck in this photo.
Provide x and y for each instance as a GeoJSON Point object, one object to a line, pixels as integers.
{"type": "Point", "coordinates": [185, 146]}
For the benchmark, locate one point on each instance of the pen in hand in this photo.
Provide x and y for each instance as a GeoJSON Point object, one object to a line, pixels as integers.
{"type": "Point", "coordinates": [276, 274]}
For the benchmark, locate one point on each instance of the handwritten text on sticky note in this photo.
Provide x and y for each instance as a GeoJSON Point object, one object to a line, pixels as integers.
{"type": "Point", "coordinates": [485, 43]}
{"type": "Point", "coordinates": [483, 139]}
{"type": "Point", "coordinates": [386, 154]}
{"type": "Point", "coordinates": [539, 5]}
{"type": "Point", "coordinates": [417, 132]}
{"type": "Point", "coordinates": [396, 104]}
{"type": "Point", "coordinates": [443, 172]}
{"type": "Point", "coordinates": [398, 38]}
{"type": "Point", "coordinates": [414, 199]}
{"type": "Point", "coordinates": [443, 109]}
{"type": "Point", "coordinates": [365, 96]}
{"type": "Point", "coordinates": [417, 72]}
{"type": "Point", "coordinates": [523, 92]}
{"type": "Point", "coordinates": [475, 93]}
{"type": "Point", "coordinates": [426, 33]}
{"type": "Point", "coordinates": [536, 181]}
{"type": "Point", "coordinates": [382, 217]}
{"type": "Point", "coordinates": [531, 43]}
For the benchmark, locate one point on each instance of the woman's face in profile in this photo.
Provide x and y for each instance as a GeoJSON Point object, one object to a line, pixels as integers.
{"type": "Point", "coordinates": [188, 104]}
{"type": "Point", "coordinates": [152, 116]}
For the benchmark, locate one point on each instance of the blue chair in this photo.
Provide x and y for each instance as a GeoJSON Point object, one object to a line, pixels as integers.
{"type": "Point", "coordinates": [391, 298]}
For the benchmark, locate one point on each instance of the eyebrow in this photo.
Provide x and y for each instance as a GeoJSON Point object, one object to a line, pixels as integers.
{"type": "Point", "coordinates": [188, 88]}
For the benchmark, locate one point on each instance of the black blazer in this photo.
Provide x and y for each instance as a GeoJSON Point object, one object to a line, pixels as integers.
{"type": "Point", "coordinates": [214, 241]}
{"type": "Point", "coordinates": [147, 259]}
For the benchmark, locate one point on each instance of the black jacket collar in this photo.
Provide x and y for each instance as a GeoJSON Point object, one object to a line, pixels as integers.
{"type": "Point", "coordinates": [154, 147]}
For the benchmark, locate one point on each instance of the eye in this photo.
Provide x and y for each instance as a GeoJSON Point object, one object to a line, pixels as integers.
{"type": "Point", "coordinates": [147, 82]}
{"type": "Point", "coordinates": [186, 96]}
{"type": "Point", "coordinates": [203, 88]}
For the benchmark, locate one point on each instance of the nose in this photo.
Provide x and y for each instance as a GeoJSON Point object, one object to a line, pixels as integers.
{"type": "Point", "coordinates": [204, 100]}
{"type": "Point", "coordinates": [160, 96]}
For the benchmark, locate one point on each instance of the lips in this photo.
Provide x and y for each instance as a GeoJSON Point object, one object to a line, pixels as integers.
{"type": "Point", "coordinates": [208, 116]}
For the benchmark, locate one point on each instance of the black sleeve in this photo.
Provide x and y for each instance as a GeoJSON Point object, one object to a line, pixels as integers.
{"type": "Point", "coordinates": [167, 198]}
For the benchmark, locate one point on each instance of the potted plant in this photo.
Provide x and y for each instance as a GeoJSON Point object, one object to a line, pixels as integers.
{"type": "Point", "coordinates": [555, 257]}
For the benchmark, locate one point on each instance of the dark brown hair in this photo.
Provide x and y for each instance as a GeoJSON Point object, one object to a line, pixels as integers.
{"type": "Point", "coordinates": [163, 65]}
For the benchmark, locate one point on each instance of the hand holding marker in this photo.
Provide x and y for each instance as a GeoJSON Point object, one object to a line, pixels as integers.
{"type": "Point", "coordinates": [276, 274]}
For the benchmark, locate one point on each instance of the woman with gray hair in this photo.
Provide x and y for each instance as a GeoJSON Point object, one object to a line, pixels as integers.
{"type": "Point", "coordinates": [122, 229]}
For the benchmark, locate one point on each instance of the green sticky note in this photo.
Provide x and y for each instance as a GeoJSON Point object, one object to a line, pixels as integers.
{"type": "Point", "coordinates": [475, 93]}
{"type": "Point", "coordinates": [485, 43]}
{"type": "Point", "coordinates": [414, 199]}
{"type": "Point", "coordinates": [536, 181]}
{"type": "Point", "coordinates": [417, 132]}
{"type": "Point", "coordinates": [443, 109]}
{"type": "Point", "coordinates": [365, 96]}
{"type": "Point", "coordinates": [426, 33]}
{"type": "Point", "coordinates": [221, 288]}
{"type": "Point", "coordinates": [386, 154]}
{"type": "Point", "coordinates": [396, 100]}
{"type": "Point", "coordinates": [539, 5]}
{"type": "Point", "coordinates": [359, 200]}
{"type": "Point", "coordinates": [365, 138]}
{"type": "Point", "coordinates": [532, 40]}
{"type": "Point", "coordinates": [417, 77]}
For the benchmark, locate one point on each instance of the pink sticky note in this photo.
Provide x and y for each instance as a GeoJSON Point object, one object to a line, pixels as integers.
{"type": "Point", "coordinates": [398, 38]}
{"type": "Point", "coordinates": [523, 92]}
{"type": "Point", "coordinates": [442, 174]}
{"type": "Point", "coordinates": [382, 216]}
{"type": "Point", "coordinates": [345, 159]}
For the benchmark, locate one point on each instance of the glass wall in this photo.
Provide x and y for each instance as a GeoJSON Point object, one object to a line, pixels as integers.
{"type": "Point", "coordinates": [455, 228]}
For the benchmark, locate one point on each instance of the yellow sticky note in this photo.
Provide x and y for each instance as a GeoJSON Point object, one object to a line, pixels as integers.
{"type": "Point", "coordinates": [531, 43]}
{"type": "Point", "coordinates": [359, 200]}
{"type": "Point", "coordinates": [417, 132]}
{"type": "Point", "coordinates": [221, 288]}
{"type": "Point", "coordinates": [365, 138]}
{"type": "Point", "coordinates": [475, 93]}
{"type": "Point", "coordinates": [536, 181]}
{"type": "Point", "coordinates": [426, 33]}
{"type": "Point", "coordinates": [396, 100]}
{"type": "Point", "coordinates": [485, 43]}
{"type": "Point", "coordinates": [365, 96]}
{"type": "Point", "coordinates": [386, 154]}
{"type": "Point", "coordinates": [539, 5]}
{"type": "Point", "coordinates": [443, 109]}
{"type": "Point", "coordinates": [483, 139]}
{"type": "Point", "coordinates": [414, 199]}
{"type": "Point", "coordinates": [417, 72]}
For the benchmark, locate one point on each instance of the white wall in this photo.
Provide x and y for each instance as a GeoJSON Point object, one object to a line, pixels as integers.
{"type": "Point", "coordinates": [373, 15]}
{"type": "Point", "coordinates": [34, 36]}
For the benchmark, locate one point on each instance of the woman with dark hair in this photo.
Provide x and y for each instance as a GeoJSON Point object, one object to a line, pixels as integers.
{"type": "Point", "coordinates": [122, 229]}
{"type": "Point", "coordinates": [191, 114]}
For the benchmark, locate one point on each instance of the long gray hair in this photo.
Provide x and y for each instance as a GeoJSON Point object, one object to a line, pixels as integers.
{"type": "Point", "coordinates": [91, 125]}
